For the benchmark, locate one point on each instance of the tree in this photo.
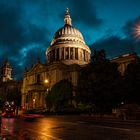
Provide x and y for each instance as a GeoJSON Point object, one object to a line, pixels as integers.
{"type": "Point", "coordinates": [98, 56]}
{"type": "Point", "coordinates": [60, 96]}
{"type": "Point", "coordinates": [108, 86]}
{"type": "Point", "coordinates": [132, 83]}
{"type": "Point", "coordinates": [100, 83]}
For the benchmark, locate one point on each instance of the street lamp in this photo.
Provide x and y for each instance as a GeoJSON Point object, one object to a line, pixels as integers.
{"type": "Point", "coordinates": [34, 103]}
{"type": "Point", "coordinates": [46, 85]}
{"type": "Point", "coordinates": [46, 81]}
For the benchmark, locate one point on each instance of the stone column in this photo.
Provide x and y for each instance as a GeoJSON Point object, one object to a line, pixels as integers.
{"type": "Point", "coordinates": [64, 53]}
{"type": "Point", "coordinates": [55, 55]}
{"type": "Point", "coordinates": [68, 52]}
{"type": "Point", "coordinates": [78, 54]}
{"type": "Point", "coordinates": [60, 52]}
{"type": "Point", "coordinates": [86, 56]}
{"type": "Point", "coordinates": [73, 53]}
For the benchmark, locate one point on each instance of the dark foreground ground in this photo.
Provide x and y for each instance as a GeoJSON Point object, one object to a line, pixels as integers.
{"type": "Point", "coordinates": [68, 128]}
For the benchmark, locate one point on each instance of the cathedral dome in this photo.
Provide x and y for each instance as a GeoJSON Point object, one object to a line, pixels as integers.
{"type": "Point", "coordinates": [68, 45]}
{"type": "Point", "coordinates": [67, 32]}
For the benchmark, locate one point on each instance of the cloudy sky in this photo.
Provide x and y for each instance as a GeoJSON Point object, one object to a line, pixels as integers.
{"type": "Point", "coordinates": [27, 27]}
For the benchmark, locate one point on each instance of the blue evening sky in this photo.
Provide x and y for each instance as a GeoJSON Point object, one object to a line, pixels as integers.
{"type": "Point", "coordinates": [27, 27]}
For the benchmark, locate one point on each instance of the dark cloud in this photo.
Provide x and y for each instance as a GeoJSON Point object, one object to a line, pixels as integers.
{"type": "Point", "coordinates": [114, 46]}
{"type": "Point", "coordinates": [86, 15]}
{"type": "Point", "coordinates": [17, 34]}
{"type": "Point", "coordinates": [84, 12]}
{"type": "Point", "coordinates": [10, 29]}
{"type": "Point", "coordinates": [27, 27]}
{"type": "Point", "coordinates": [34, 54]}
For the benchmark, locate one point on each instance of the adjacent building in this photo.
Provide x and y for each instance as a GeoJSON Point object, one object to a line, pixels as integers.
{"type": "Point", "coordinates": [124, 60]}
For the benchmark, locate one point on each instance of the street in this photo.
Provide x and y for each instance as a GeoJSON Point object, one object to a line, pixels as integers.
{"type": "Point", "coordinates": [68, 128]}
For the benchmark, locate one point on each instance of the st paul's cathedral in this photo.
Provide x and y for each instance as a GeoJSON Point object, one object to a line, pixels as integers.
{"type": "Point", "coordinates": [66, 56]}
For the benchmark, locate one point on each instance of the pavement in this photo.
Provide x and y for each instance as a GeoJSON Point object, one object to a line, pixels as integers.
{"type": "Point", "coordinates": [70, 127]}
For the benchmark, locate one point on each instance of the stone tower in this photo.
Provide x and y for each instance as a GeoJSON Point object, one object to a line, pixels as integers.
{"type": "Point", "coordinates": [6, 71]}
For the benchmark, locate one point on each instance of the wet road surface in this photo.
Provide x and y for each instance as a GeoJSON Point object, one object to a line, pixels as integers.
{"type": "Point", "coordinates": [68, 128]}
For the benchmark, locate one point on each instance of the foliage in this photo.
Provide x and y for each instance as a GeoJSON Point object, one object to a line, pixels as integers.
{"type": "Point", "coordinates": [86, 107]}
{"type": "Point", "coordinates": [99, 56]}
{"type": "Point", "coordinates": [60, 96]}
{"type": "Point", "coordinates": [14, 95]}
{"type": "Point", "coordinates": [132, 83]}
{"type": "Point", "coordinates": [100, 83]}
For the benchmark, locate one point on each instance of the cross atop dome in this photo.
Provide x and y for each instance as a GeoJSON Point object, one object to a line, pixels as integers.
{"type": "Point", "coordinates": [67, 11]}
{"type": "Point", "coordinates": [67, 18]}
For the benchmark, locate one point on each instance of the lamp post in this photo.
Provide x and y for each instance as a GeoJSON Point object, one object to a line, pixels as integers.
{"type": "Point", "coordinates": [46, 84]}
{"type": "Point", "coordinates": [46, 81]}
{"type": "Point", "coordinates": [34, 102]}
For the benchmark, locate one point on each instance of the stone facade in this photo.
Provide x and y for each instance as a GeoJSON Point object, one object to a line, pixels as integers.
{"type": "Point", "coordinates": [8, 87]}
{"type": "Point", "coordinates": [6, 72]}
{"type": "Point", "coordinates": [124, 60]}
{"type": "Point", "coordinates": [66, 55]}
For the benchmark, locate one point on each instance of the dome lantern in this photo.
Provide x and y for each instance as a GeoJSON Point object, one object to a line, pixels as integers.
{"type": "Point", "coordinates": [67, 19]}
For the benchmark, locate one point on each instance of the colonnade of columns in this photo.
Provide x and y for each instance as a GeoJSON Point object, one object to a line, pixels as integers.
{"type": "Point", "coordinates": [69, 53]}
{"type": "Point", "coordinates": [35, 100]}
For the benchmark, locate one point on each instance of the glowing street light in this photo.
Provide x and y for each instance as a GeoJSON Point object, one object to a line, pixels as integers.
{"type": "Point", "coordinates": [46, 81]}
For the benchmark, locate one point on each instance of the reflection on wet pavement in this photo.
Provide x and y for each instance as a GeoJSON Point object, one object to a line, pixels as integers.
{"type": "Point", "coordinates": [64, 128]}
{"type": "Point", "coordinates": [11, 131]}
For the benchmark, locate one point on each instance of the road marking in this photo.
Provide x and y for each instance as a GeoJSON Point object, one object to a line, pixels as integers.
{"type": "Point", "coordinates": [109, 127]}
{"type": "Point", "coordinates": [36, 131]}
{"type": "Point", "coordinates": [103, 126]}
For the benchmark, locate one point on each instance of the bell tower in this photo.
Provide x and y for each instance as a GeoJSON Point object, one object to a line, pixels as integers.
{"type": "Point", "coordinates": [6, 71]}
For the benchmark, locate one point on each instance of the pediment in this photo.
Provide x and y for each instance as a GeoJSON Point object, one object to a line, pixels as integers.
{"type": "Point", "coordinates": [37, 68]}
